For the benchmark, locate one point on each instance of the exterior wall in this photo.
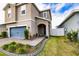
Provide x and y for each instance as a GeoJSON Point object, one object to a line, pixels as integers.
{"type": "Point", "coordinates": [57, 32]}
{"type": "Point", "coordinates": [13, 14]}
{"type": "Point", "coordinates": [48, 15]}
{"type": "Point", "coordinates": [2, 28]}
{"type": "Point", "coordinates": [18, 24]}
{"type": "Point", "coordinates": [33, 28]}
{"type": "Point", "coordinates": [39, 21]}
{"type": "Point", "coordinates": [25, 17]}
{"type": "Point", "coordinates": [34, 12]}
{"type": "Point", "coordinates": [72, 23]}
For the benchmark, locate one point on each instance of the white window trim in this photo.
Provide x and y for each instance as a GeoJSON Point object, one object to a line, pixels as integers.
{"type": "Point", "coordinates": [9, 13]}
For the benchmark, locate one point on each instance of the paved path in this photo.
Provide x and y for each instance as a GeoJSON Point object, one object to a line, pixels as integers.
{"type": "Point", "coordinates": [29, 42]}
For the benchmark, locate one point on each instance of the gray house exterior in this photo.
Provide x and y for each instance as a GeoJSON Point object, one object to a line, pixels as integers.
{"type": "Point", "coordinates": [71, 22]}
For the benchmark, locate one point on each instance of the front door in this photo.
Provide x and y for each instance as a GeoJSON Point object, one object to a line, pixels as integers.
{"type": "Point", "coordinates": [42, 30]}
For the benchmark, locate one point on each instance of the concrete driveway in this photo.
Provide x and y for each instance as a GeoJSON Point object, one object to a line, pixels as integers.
{"type": "Point", "coordinates": [29, 42]}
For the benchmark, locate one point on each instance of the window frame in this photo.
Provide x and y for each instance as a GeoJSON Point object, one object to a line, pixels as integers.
{"type": "Point", "coordinates": [9, 13]}
{"type": "Point", "coordinates": [23, 12]}
{"type": "Point", "coordinates": [23, 8]}
{"type": "Point", "coordinates": [45, 14]}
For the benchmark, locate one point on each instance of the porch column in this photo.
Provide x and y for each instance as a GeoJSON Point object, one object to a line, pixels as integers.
{"type": "Point", "coordinates": [8, 32]}
{"type": "Point", "coordinates": [47, 30]}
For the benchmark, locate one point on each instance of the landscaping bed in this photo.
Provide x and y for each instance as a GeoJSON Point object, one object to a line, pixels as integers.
{"type": "Point", "coordinates": [18, 48]}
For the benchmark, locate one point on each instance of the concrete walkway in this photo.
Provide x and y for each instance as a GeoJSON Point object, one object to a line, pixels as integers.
{"type": "Point", "coordinates": [29, 42]}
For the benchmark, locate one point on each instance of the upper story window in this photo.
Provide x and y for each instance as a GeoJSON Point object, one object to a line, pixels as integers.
{"type": "Point", "coordinates": [23, 9]}
{"type": "Point", "coordinates": [45, 14]}
{"type": "Point", "coordinates": [9, 12]}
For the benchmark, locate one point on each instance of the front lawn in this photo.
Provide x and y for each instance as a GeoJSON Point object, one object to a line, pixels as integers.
{"type": "Point", "coordinates": [60, 46]}
{"type": "Point", "coordinates": [2, 54]}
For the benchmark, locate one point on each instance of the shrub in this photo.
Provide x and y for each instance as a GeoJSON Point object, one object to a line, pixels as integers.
{"type": "Point", "coordinates": [0, 35]}
{"type": "Point", "coordinates": [13, 43]}
{"type": "Point", "coordinates": [72, 36]}
{"type": "Point", "coordinates": [19, 45]}
{"type": "Point", "coordinates": [27, 46]}
{"type": "Point", "coordinates": [4, 34]}
{"type": "Point", "coordinates": [12, 48]}
{"type": "Point", "coordinates": [26, 33]}
{"type": "Point", "coordinates": [20, 50]}
{"type": "Point", "coordinates": [69, 36]}
{"type": "Point", "coordinates": [5, 47]}
{"type": "Point", "coordinates": [17, 48]}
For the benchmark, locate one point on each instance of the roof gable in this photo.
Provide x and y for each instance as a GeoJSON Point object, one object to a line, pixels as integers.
{"type": "Point", "coordinates": [71, 15]}
{"type": "Point", "coordinates": [6, 6]}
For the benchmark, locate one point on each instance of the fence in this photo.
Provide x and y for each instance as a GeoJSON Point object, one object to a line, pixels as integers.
{"type": "Point", "coordinates": [57, 32]}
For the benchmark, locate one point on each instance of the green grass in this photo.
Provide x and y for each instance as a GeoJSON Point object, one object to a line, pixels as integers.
{"type": "Point", "coordinates": [2, 54]}
{"type": "Point", "coordinates": [60, 46]}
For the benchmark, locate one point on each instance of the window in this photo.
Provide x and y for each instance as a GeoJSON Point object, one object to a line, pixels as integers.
{"type": "Point", "coordinates": [23, 9]}
{"type": "Point", "coordinates": [45, 14]}
{"type": "Point", "coordinates": [9, 12]}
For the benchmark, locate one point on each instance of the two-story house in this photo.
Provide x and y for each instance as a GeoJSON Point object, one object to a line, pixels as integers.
{"type": "Point", "coordinates": [20, 16]}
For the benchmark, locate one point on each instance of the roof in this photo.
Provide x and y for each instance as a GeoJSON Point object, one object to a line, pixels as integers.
{"type": "Point", "coordinates": [6, 6]}
{"type": "Point", "coordinates": [71, 14]}
{"type": "Point", "coordinates": [16, 4]}
{"type": "Point", "coordinates": [42, 18]}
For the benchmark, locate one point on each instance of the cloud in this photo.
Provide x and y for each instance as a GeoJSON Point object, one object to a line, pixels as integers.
{"type": "Point", "coordinates": [2, 12]}
{"type": "Point", "coordinates": [58, 17]}
{"type": "Point", "coordinates": [59, 6]}
{"type": "Point", "coordinates": [68, 6]}
{"type": "Point", "coordinates": [42, 6]}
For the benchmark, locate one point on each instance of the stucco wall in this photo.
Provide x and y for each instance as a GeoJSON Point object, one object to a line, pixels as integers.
{"type": "Point", "coordinates": [22, 23]}
{"type": "Point", "coordinates": [25, 17]}
{"type": "Point", "coordinates": [2, 28]}
{"type": "Point", "coordinates": [34, 12]}
{"type": "Point", "coordinates": [41, 21]}
{"type": "Point", "coordinates": [33, 28]}
{"type": "Point", "coordinates": [72, 23]}
{"type": "Point", "coordinates": [13, 14]}
{"type": "Point", "coordinates": [48, 15]}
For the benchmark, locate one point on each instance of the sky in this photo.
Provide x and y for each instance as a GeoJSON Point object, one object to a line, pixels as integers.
{"type": "Point", "coordinates": [59, 11]}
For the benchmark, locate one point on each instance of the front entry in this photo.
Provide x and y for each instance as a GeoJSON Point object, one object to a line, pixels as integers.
{"type": "Point", "coordinates": [17, 32]}
{"type": "Point", "coordinates": [41, 30]}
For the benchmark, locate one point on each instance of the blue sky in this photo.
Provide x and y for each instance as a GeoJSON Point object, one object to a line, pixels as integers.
{"type": "Point", "coordinates": [65, 7]}
{"type": "Point", "coordinates": [59, 11]}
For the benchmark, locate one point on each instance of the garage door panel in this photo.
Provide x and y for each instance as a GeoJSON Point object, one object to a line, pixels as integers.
{"type": "Point", "coordinates": [17, 32]}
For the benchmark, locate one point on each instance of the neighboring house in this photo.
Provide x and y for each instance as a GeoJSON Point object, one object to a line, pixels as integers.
{"type": "Point", "coordinates": [71, 22]}
{"type": "Point", "coordinates": [20, 16]}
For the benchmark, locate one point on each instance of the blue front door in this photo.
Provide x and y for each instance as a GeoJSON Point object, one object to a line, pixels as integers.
{"type": "Point", "coordinates": [17, 32]}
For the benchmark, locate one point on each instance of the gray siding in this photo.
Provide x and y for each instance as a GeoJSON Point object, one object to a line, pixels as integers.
{"type": "Point", "coordinates": [72, 23]}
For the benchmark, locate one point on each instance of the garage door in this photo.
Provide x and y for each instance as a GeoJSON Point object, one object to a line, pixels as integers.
{"type": "Point", "coordinates": [17, 32]}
